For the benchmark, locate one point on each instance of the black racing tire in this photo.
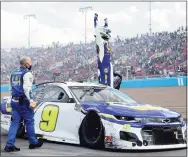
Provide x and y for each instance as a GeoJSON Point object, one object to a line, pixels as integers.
{"type": "Point", "coordinates": [21, 131]}
{"type": "Point", "coordinates": [92, 131]}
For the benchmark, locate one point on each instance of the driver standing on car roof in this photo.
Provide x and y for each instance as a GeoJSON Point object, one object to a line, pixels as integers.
{"type": "Point", "coordinates": [102, 37]}
{"type": "Point", "coordinates": [22, 105]}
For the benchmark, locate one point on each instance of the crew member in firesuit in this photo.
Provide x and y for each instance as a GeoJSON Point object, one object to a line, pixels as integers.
{"type": "Point", "coordinates": [22, 104]}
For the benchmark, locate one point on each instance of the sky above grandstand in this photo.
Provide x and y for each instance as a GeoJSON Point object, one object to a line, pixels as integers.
{"type": "Point", "coordinates": [62, 21]}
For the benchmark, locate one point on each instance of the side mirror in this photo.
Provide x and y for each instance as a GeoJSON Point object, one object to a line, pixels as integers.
{"type": "Point", "coordinates": [71, 100]}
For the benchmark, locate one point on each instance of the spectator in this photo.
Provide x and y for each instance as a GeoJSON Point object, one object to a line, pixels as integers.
{"type": "Point", "coordinates": [149, 55]}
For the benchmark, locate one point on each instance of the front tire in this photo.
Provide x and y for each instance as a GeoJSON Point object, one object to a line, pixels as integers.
{"type": "Point", "coordinates": [92, 131]}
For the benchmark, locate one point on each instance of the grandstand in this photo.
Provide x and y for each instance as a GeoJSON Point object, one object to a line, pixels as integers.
{"type": "Point", "coordinates": [161, 55]}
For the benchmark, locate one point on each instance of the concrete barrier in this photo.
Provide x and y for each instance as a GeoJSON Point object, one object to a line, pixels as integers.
{"type": "Point", "coordinates": [4, 88]}
{"type": "Point", "coordinates": [155, 82]}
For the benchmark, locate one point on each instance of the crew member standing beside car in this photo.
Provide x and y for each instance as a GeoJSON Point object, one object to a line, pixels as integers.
{"type": "Point", "coordinates": [22, 105]}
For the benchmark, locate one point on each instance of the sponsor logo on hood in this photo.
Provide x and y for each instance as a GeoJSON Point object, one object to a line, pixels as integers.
{"type": "Point", "coordinates": [136, 106]}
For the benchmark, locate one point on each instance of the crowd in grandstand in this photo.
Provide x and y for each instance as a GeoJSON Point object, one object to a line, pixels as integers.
{"type": "Point", "coordinates": [159, 54]}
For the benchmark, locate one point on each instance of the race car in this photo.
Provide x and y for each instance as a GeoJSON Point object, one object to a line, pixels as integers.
{"type": "Point", "coordinates": [99, 116]}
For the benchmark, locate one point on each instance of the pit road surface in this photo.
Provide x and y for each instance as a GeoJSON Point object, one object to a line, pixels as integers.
{"type": "Point", "coordinates": [173, 98]}
{"type": "Point", "coordinates": [59, 149]}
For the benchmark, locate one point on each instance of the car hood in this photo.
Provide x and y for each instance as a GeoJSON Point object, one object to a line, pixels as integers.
{"type": "Point", "coordinates": [131, 109]}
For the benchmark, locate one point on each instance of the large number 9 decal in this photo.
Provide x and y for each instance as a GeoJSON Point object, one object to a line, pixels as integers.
{"type": "Point", "coordinates": [49, 118]}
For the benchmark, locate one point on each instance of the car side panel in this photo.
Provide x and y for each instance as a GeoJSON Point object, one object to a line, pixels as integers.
{"type": "Point", "coordinates": [55, 120]}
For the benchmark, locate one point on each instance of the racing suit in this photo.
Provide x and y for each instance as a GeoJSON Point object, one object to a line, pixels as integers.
{"type": "Point", "coordinates": [103, 57]}
{"type": "Point", "coordinates": [21, 90]}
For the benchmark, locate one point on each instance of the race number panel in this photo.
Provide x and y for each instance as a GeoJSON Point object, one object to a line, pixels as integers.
{"type": "Point", "coordinates": [49, 118]}
{"type": "Point", "coordinates": [16, 80]}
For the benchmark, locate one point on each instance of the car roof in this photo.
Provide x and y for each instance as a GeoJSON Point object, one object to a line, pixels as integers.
{"type": "Point", "coordinates": [73, 84]}
{"type": "Point", "coordinates": [79, 84]}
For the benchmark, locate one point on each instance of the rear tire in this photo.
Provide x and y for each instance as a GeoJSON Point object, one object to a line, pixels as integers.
{"type": "Point", "coordinates": [92, 131]}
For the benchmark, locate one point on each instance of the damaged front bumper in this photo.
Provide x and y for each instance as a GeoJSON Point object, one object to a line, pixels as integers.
{"type": "Point", "coordinates": [145, 137]}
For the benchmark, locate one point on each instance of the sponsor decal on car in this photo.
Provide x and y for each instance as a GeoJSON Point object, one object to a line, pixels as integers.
{"type": "Point", "coordinates": [127, 127]}
{"type": "Point", "coordinates": [146, 107]}
{"type": "Point", "coordinates": [5, 119]}
{"type": "Point", "coordinates": [93, 108]}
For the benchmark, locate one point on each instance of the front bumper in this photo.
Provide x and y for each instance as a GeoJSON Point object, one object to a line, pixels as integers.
{"type": "Point", "coordinates": [154, 147]}
{"type": "Point", "coordinates": [133, 137]}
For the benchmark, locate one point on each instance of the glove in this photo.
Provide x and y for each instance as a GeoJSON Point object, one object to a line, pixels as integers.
{"type": "Point", "coordinates": [106, 22]}
{"type": "Point", "coordinates": [96, 15]}
{"type": "Point", "coordinates": [95, 20]}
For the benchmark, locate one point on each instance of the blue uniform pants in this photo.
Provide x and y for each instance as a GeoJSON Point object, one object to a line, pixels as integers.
{"type": "Point", "coordinates": [105, 74]}
{"type": "Point", "coordinates": [21, 111]}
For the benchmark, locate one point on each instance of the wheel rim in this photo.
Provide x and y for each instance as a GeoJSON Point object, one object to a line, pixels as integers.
{"type": "Point", "coordinates": [93, 131]}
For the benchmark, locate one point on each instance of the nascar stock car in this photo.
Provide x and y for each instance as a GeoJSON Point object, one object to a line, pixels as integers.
{"type": "Point", "coordinates": [100, 116]}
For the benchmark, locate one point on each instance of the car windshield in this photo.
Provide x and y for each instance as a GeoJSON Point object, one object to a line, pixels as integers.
{"type": "Point", "coordinates": [106, 94]}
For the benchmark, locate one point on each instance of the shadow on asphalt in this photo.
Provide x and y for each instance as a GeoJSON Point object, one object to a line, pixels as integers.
{"type": "Point", "coordinates": [115, 150]}
{"type": "Point", "coordinates": [107, 150]}
{"type": "Point", "coordinates": [144, 151]}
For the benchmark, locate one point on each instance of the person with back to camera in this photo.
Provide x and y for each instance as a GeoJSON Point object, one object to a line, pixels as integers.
{"type": "Point", "coordinates": [22, 105]}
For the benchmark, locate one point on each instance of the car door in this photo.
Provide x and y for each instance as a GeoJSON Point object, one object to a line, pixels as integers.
{"type": "Point", "coordinates": [56, 117]}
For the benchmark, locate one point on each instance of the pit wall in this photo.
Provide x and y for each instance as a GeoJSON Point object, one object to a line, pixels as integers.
{"type": "Point", "coordinates": [141, 83]}
{"type": "Point", "coordinates": [155, 82]}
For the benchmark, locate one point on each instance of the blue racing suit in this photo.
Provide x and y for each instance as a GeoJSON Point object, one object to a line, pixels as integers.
{"type": "Point", "coordinates": [105, 68]}
{"type": "Point", "coordinates": [21, 86]}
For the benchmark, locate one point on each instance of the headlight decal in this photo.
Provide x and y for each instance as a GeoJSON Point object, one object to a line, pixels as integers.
{"type": "Point", "coordinates": [112, 119]}
{"type": "Point", "coordinates": [137, 123]}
